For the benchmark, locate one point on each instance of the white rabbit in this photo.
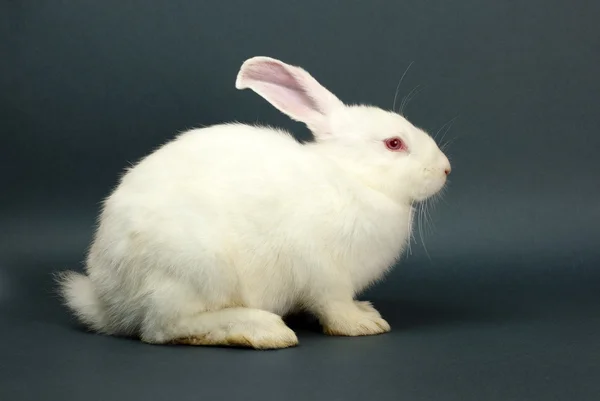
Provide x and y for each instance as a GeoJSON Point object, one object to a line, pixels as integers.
{"type": "Point", "coordinates": [216, 235]}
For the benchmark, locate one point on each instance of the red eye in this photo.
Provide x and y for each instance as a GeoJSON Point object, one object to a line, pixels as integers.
{"type": "Point", "coordinates": [395, 144]}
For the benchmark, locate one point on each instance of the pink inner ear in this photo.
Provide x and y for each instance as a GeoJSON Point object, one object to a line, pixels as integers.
{"type": "Point", "coordinates": [282, 88]}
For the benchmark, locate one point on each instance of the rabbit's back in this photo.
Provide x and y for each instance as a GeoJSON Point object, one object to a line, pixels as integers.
{"type": "Point", "coordinates": [229, 174]}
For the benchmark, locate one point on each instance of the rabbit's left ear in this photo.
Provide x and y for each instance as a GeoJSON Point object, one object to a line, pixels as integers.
{"type": "Point", "coordinates": [291, 90]}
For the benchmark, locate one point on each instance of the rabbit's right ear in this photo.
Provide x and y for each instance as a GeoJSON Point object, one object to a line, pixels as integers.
{"type": "Point", "coordinates": [291, 90]}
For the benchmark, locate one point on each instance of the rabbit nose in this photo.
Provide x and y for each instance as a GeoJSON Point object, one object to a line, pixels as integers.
{"type": "Point", "coordinates": [447, 170]}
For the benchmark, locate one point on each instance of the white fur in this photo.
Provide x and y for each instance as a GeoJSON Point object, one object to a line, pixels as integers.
{"type": "Point", "coordinates": [221, 231]}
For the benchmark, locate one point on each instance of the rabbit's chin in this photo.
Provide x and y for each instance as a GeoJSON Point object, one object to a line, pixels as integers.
{"type": "Point", "coordinates": [429, 191]}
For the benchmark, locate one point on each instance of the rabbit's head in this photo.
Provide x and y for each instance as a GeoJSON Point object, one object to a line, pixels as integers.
{"type": "Point", "coordinates": [380, 148]}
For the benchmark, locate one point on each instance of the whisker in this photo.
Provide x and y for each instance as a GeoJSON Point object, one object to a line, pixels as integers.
{"type": "Point", "coordinates": [398, 86]}
{"type": "Point", "coordinates": [446, 130]}
{"type": "Point", "coordinates": [421, 231]}
{"type": "Point", "coordinates": [442, 196]}
{"type": "Point", "coordinates": [428, 218]}
{"type": "Point", "coordinates": [451, 121]}
{"type": "Point", "coordinates": [447, 143]}
{"type": "Point", "coordinates": [410, 230]}
{"type": "Point", "coordinates": [401, 110]}
{"type": "Point", "coordinates": [443, 193]}
{"type": "Point", "coordinates": [431, 208]}
{"type": "Point", "coordinates": [409, 97]}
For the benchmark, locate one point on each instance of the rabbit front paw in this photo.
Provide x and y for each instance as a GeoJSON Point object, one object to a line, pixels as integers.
{"type": "Point", "coordinates": [359, 320]}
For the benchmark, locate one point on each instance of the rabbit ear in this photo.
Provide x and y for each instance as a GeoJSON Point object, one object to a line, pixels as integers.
{"type": "Point", "coordinates": [291, 90]}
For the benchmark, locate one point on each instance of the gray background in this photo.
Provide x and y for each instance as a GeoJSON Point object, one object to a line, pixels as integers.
{"type": "Point", "coordinates": [503, 306]}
